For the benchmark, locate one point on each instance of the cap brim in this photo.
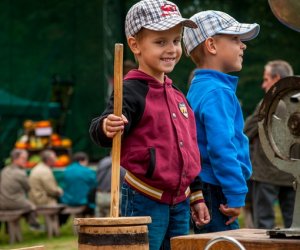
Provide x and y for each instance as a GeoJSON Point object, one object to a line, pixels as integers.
{"type": "Point", "coordinates": [170, 23]}
{"type": "Point", "coordinates": [245, 31]}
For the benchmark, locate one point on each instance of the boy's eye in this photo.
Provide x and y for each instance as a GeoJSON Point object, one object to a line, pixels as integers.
{"type": "Point", "coordinates": [161, 43]}
{"type": "Point", "coordinates": [177, 41]}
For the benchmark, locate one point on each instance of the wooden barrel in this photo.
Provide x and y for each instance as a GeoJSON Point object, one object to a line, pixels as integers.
{"type": "Point", "coordinates": [113, 233]}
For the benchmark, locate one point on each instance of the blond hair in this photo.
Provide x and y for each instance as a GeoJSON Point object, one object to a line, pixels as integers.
{"type": "Point", "coordinates": [198, 55]}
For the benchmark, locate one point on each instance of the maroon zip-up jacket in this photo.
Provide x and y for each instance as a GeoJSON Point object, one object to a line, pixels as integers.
{"type": "Point", "coordinates": [159, 144]}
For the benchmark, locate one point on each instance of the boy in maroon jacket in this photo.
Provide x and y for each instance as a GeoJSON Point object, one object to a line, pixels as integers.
{"type": "Point", "coordinates": [159, 146]}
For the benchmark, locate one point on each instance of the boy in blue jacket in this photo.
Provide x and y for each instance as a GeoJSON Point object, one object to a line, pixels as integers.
{"type": "Point", "coordinates": [159, 146]}
{"type": "Point", "coordinates": [217, 48]}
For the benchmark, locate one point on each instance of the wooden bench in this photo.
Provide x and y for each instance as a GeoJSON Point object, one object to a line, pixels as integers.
{"type": "Point", "coordinates": [50, 213]}
{"type": "Point", "coordinates": [12, 218]}
{"type": "Point", "coordinates": [74, 212]}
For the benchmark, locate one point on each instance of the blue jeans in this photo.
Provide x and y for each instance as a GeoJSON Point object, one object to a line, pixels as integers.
{"type": "Point", "coordinates": [167, 220]}
{"type": "Point", "coordinates": [214, 196]}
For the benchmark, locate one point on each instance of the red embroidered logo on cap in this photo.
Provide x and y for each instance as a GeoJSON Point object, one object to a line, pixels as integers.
{"type": "Point", "coordinates": [169, 9]}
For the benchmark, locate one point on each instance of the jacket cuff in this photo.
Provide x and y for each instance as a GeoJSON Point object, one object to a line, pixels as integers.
{"type": "Point", "coordinates": [196, 197]}
{"type": "Point", "coordinates": [97, 134]}
{"type": "Point", "coordinates": [235, 200]}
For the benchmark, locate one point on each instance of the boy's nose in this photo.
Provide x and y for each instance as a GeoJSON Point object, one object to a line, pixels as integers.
{"type": "Point", "coordinates": [243, 46]}
{"type": "Point", "coordinates": [171, 47]}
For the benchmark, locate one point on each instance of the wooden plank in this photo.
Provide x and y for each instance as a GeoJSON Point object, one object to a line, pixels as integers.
{"type": "Point", "coordinates": [11, 215]}
{"type": "Point", "coordinates": [114, 229]}
{"type": "Point", "coordinates": [73, 210]}
{"type": "Point", "coordinates": [31, 248]}
{"type": "Point", "coordinates": [112, 221]}
{"type": "Point", "coordinates": [251, 239]}
{"type": "Point", "coordinates": [132, 247]}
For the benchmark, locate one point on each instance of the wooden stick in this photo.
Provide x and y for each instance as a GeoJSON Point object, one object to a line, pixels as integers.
{"type": "Point", "coordinates": [116, 147]}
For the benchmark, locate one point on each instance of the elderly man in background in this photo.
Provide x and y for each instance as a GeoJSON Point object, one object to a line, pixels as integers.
{"type": "Point", "coordinates": [268, 182]}
{"type": "Point", "coordinates": [44, 189]}
{"type": "Point", "coordinates": [14, 187]}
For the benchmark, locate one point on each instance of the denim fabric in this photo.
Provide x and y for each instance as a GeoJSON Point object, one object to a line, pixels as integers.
{"type": "Point", "coordinates": [167, 220]}
{"type": "Point", "coordinates": [214, 196]}
{"type": "Point", "coordinates": [264, 197]}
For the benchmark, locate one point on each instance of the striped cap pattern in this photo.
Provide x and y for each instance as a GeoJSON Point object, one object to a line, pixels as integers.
{"type": "Point", "coordinates": [213, 22]}
{"type": "Point", "coordinates": [155, 15]}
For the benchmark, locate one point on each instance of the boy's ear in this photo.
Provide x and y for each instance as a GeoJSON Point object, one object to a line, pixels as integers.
{"type": "Point", "coordinates": [133, 45]}
{"type": "Point", "coordinates": [210, 45]}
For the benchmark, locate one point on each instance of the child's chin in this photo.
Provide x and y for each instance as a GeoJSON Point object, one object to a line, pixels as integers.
{"type": "Point", "coordinates": [167, 71]}
{"type": "Point", "coordinates": [238, 68]}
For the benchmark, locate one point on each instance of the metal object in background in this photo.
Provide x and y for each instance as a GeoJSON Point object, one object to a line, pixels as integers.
{"type": "Point", "coordinates": [279, 133]}
{"type": "Point", "coordinates": [224, 238]}
{"type": "Point", "coordinates": [287, 12]}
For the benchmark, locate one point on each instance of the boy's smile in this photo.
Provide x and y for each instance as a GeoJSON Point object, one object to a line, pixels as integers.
{"type": "Point", "coordinates": [158, 51]}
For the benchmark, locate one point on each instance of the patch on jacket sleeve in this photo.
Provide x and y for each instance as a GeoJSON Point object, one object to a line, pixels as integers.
{"type": "Point", "coordinates": [183, 109]}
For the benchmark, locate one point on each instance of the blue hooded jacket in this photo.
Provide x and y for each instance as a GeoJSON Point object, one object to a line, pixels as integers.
{"type": "Point", "coordinates": [223, 145]}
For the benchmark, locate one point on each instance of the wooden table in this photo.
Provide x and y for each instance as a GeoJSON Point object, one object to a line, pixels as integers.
{"type": "Point", "coordinates": [251, 239]}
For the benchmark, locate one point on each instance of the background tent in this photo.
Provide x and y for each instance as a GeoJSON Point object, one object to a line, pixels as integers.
{"type": "Point", "coordinates": [13, 111]}
{"type": "Point", "coordinates": [11, 106]}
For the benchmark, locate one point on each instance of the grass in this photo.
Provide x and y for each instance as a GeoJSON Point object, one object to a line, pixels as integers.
{"type": "Point", "coordinates": [67, 240]}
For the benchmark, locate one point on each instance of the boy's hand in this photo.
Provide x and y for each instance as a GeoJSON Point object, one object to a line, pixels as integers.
{"type": "Point", "coordinates": [232, 212]}
{"type": "Point", "coordinates": [112, 124]}
{"type": "Point", "coordinates": [200, 214]}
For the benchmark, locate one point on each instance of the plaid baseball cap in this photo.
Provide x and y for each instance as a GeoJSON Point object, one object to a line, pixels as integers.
{"type": "Point", "coordinates": [213, 22]}
{"type": "Point", "coordinates": [155, 15]}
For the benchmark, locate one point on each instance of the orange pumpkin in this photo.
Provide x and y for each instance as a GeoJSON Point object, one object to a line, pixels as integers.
{"type": "Point", "coordinates": [21, 145]}
{"type": "Point", "coordinates": [66, 143]}
{"type": "Point", "coordinates": [56, 143]}
{"type": "Point", "coordinates": [30, 164]}
{"type": "Point", "coordinates": [59, 164]}
{"type": "Point", "coordinates": [29, 125]}
{"type": "Point", "coordinates": [55, 137]}
{"type": "Point", "coordinates": [43, 124]}
{"type": "Point", "coordinates": [62, 161]}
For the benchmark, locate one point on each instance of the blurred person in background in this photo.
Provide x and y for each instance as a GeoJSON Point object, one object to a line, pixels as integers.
{"type": "Point", "coordinates": [269, 184]}
{"type": "Point", "coordinates": [44, 189]}
{"type": "Point", "coordinates": [103, 194]}
{"type": "Point", "coordinates": [14, 187]}
{"type": "Point", "coordinates": [80, 183]}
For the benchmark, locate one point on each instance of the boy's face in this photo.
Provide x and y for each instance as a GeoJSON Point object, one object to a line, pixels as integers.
{"type": "Point", "coordinates": [230, 52]}
{"type": "Point", "coordinates": [157, 51]}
